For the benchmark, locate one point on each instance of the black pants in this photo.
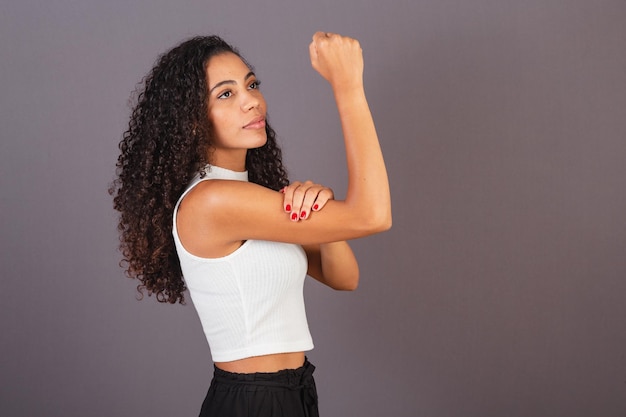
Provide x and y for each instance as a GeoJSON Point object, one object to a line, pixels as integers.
{"type": "Point", "coordinates": [287, 393]}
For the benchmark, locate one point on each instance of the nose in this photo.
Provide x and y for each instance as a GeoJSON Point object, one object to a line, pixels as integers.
{"type": "Point", "coordinates": [250, 100]}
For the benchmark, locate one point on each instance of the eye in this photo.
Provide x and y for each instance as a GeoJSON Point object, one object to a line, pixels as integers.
{"type": "Point", "coordinates": [254, 85]}
{"type": "Point", "coordinates": [225, 94]}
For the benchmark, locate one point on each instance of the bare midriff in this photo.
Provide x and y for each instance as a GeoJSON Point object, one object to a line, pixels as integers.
{"type": "Point", "coordinates": [266, 363]}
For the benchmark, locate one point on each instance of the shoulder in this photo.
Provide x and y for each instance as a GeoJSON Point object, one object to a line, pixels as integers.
{"type": "Point", "coordinates": [216, 193]}
{"type": "Point", "coordinates": [203, 198]}
{"type": "Point", "coordinates": [219, 200]}
{"type": "Point", "coordinates": [205, 215]}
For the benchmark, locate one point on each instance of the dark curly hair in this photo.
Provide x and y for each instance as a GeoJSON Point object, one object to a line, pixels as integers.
{"type": "Point", "coordinates": [167, 142]}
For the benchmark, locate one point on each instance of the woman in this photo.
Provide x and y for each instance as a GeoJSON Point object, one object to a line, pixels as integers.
{"type": "Point", "coordinates": [203, 194]}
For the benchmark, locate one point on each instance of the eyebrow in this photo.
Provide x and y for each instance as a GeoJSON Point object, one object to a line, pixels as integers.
{"type": "Point", "coordinates": [221, 83]}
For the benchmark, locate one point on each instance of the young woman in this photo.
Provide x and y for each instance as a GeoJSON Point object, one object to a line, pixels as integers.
{"type": "Point", "coordinates": [203, 194]}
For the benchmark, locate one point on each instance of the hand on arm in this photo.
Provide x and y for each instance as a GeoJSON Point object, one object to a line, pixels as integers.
{"type": "Point", "coordinates": [302, 198]}
{"type": "Point", "coordinates": [333, 263]}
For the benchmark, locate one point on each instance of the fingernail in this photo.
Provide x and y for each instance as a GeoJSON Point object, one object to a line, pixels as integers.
{"type": "Point", "coordinates": [294, 216]}
{"type": "Point", "coordinates": [303, 214]}
{"type": "Point", "coordinates": [288, 207]}
{"type": "Point", "coordinates": [316, 206]}
{"type": "Point", "coordinates": [282, 190]}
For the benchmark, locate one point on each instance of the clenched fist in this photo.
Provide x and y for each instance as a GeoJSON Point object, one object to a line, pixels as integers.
{"type": "Point", "coordinates": [339, 59]}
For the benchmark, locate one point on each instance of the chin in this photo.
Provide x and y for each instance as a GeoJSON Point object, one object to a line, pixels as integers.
{"type": "Point", "coordinates": [259, 143]}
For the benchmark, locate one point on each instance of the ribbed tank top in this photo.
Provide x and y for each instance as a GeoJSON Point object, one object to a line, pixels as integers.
{"type": "Point", "coordinates": [250, 302]}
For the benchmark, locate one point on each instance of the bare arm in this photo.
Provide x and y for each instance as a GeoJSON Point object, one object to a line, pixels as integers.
{"type": "Point", "coordinates": [368, 184]}
{"type": "Point", "coordinates": [333, 264]}
{"type": "Point", "coordinates": [217, 215]}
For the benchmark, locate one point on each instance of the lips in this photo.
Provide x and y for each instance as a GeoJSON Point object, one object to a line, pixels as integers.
{"type": "Point", "coordinates": [256, 123]}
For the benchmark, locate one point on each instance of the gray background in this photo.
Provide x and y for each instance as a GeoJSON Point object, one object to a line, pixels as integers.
{"type": "Point", "coordinates": [499, 291]}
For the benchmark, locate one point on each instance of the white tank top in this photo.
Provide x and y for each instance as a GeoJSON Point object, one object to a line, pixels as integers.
{"type": "Point", "coordinates": [250, 302]}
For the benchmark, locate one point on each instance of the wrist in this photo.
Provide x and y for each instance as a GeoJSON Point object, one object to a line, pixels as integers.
{"type": "Point", "coordinates": [350, 97]}
{"type": "Point", "coordinates": [347, 88]}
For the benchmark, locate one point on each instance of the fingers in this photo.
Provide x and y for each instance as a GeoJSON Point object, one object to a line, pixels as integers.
{"type": "Point", "coordinates": [322, 198]}
{"type": "Point", "coordinates": [303, 198]}
{"type": "Point", "coordinates": [339, 59]}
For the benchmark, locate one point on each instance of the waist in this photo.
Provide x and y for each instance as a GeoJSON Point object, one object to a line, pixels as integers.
{"type": "Point", "coordinates": [265, 363]}
{"type": "Point", "coordinates": [296, 378]}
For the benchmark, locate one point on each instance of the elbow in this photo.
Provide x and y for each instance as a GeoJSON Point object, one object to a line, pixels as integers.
{"type": "Point", "coordinates": [347, 279]}
{"type": "Point", "coordinates": [386, 222]}
{"type": "Point", "coordinates": [377, 222]}
{"type": "Point", "coordinates": [348, 285]}
{"type": "Point", "coordinates": [380, 218]}
{"type": "Point", "coordinates": [352, 284]}
{"type": "Point", "coordinates": [350, 288]}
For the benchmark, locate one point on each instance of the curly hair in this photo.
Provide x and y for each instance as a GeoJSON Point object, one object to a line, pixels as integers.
{"type": "Point", "coordinates": [167, 142]}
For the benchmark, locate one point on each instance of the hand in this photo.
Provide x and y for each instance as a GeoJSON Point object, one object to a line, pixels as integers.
{"type": "Point", "coordinates": [338, 59]}
{"type": "Point", "coordinates": [302, 198]}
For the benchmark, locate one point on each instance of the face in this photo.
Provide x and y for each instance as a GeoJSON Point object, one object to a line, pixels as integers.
{"type": "Point", "coordinates": [236, 110]}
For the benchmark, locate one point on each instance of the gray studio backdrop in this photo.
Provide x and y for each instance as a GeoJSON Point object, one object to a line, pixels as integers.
{"type": "Point", "coordinates": [498, 292]}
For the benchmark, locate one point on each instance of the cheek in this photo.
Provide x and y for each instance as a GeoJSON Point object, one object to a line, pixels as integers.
{"type": "Point", "coordinates": [218, 119]}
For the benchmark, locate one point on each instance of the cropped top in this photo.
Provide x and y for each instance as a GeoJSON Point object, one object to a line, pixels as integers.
{"type": "Point", "coordinates": [250, 302]}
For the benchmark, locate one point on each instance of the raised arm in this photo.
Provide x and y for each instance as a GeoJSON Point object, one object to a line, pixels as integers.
{"type": "Point", "coordinates": [219, 214]}
{"type": "Point", "coordinates": [340, 61]}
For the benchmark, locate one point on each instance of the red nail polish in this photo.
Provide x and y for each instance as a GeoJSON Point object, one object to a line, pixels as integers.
{"type": "Point", "coordinates": [316, 206]}
{"type": "Point", "coordinates": [288, 207]}
{"type": "Point", "coordinates": [294, 216]}
{"type": "Point", "coordinates": [303, 214]}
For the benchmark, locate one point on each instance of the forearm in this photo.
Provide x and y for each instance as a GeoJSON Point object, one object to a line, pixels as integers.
{"type": "Point", "coordinates": [368, 185]}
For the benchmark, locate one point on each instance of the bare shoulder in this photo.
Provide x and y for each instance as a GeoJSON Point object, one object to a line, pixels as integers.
{"type": "Point", "coordinates": [207, 213]}
{"type": "Point", "coordinates": [201, 195]}
{"type": "Point", "coordinates": [216, 197]}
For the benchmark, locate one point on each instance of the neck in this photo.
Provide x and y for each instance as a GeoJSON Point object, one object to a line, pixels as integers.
{"type": "Point", "coordinates": [234, 161]}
